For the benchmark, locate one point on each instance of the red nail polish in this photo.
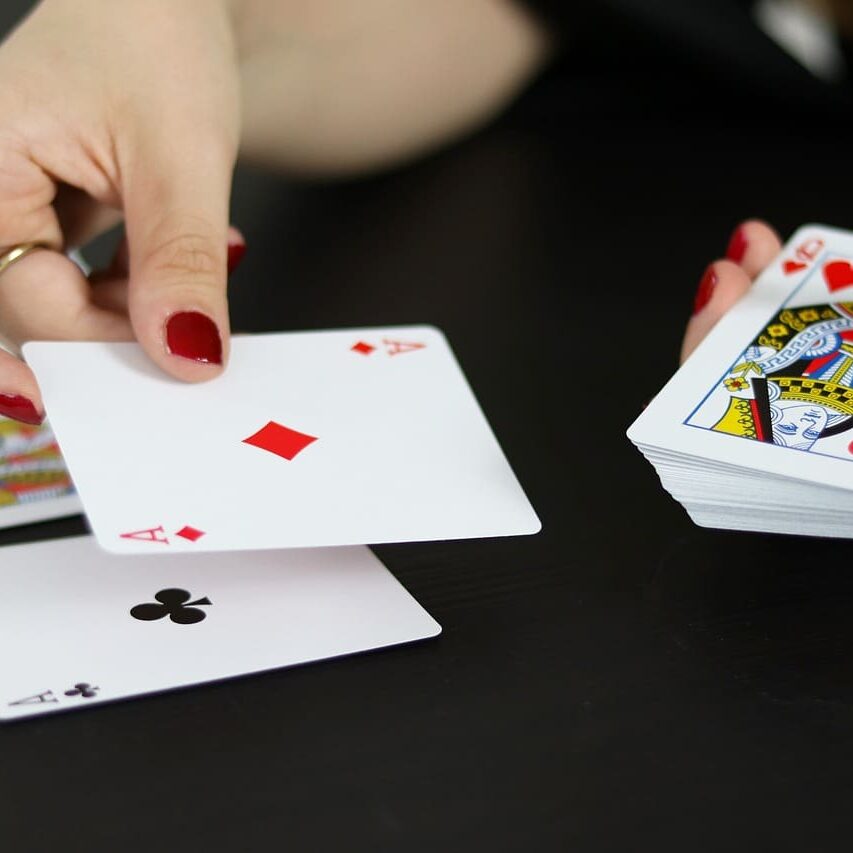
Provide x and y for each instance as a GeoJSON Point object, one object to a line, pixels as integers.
{"type": "Point", "coordinates": [20, 409]}
{"type": "Point", "coordinates": [191, 334]}
{"type": "Point", "coordinates": [235, 255]}
{"type": "Point", "coordinates": [706, 290]}
{"type": "Point", "coordinates": [737, 246]}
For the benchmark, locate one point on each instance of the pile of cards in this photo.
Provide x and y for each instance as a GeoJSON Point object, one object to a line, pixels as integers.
{"type": "Point", "coordinates": [34, 483]}
{"type": "Point", "coordinates": [754, 431]}
{"type": "Point", "coordinates": [309, 446]}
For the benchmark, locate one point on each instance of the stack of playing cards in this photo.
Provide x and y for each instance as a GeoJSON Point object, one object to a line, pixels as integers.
{"type": "Point", "coordinates": [34, 483]}
{"type": "Point", "coordinates": [755, 431]}
{"type": "Point", "coordinates": [309, 440]}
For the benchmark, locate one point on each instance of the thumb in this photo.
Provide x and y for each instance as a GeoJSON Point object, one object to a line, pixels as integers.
{"type": "Point", "coordinates": [176, 210]}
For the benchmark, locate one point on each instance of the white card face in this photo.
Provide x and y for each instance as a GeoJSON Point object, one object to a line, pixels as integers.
{"type": "Point", "coordinates": [82, 626]}
{"type": "Point", "coordinates": [34, 482]}
{"type": "Point", "coordinates": [771, 387]}
{"type": "Point", "coordinates": [309, 439]}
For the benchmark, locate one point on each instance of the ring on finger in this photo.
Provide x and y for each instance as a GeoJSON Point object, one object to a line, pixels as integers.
{"type": "Point", "coordinates": [15, 254]}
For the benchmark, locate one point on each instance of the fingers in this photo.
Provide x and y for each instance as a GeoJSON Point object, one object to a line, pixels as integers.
{"type": "Point", "coordinates": [109, 286]}
{"type": "Point", "coordinates": [81, 217]}
{"type": "Point", "coordinates": [176, 210]}
{"type": "Point", "coordinates": [236, 248]}
{"type": "Point", "coordinates": [45, 296]}
{"type": "Point", "coordinates": [19, 394]}
{"type": "Point", "coordinates": [723, 283]}
{"type": "Point", "coordinates": [26, 197]}
{"type": "Point", "coordinates": [753, 245]}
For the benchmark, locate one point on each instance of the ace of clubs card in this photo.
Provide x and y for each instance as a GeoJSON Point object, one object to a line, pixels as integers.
{"type": "Point", "coordinates": [82, 626]}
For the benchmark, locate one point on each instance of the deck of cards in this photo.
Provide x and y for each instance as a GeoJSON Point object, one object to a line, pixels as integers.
{"type": "Point", "coordinates": [231, 518]}
{"type": "Point", "coordinates": [34, 482]}
{"type": "Point", "coordinates": [755, 431]}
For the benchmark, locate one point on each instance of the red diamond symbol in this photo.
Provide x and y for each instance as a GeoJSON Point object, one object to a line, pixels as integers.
{"type": "Point", "coordinates": [191, 533]}
{"type": "Point", "coordinates": [363, 348]}
{"type": "Point", "coordinates": [280, 440]}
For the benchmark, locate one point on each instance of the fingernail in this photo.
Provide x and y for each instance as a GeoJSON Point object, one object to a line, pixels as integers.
{"type": "Point", "coordinates": [737, 245]}
{"type": "Point", "coordinates": [235, 255]}
{"type": "Point", "coordinates": [190, 334]}
{"type": "Point", "coordinates": [706, 290]}
{"type": "Point", "coordinates": [20, 409]}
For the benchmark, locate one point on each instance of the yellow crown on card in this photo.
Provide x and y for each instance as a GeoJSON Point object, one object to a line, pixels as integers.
{"type": "Point", "coordinates": [816, 391]}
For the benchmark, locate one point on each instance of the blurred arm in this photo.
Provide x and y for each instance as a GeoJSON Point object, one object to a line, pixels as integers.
{"type": "Point", "coordinates": [342, 86]}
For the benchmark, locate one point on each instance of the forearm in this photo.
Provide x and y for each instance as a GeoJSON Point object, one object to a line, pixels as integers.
{"type": "Point", "coordinates": [335, 87]}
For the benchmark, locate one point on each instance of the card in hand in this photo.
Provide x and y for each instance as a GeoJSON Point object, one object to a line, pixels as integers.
{"type": "Point", "coordinates": [88, 627]}
{"type": "Point", "coordinates": [34, 482]}
{"type": "Point", "coordinates": [308, 439]}
{"type": "Point", "coordinates": [754, 431]}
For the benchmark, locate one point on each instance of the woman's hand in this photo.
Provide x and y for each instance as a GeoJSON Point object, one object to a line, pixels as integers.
{"type": "Point", "coordinates": [111, 110]}
{"type": "Point", "coordinates": [752, 247]}
{"type": "Point", "coordinates": [133, 110]}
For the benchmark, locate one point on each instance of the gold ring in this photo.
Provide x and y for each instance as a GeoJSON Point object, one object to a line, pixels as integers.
{"type": "Point", "coordinates": [17, 252]}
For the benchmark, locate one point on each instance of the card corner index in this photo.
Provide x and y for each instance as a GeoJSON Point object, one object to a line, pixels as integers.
{"type": "Point", "coordinates": [808, 229]}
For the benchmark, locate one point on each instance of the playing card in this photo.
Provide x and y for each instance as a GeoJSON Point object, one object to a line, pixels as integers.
{"type": "Point", "coordinates": [771, 387]}
{"type": "Point", "coordinates": [82, 626]}
{"type": "Point", "coordinates": [308, 439]}
{"type": "Point", "coordinates": [34, 483]}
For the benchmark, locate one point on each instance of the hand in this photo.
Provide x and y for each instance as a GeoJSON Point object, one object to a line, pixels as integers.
{"type": "Point", "coordinates": [752, 246]}
{"type": "Point", "coordinates": [147, 128]}
{"type": "Point", "coordinates": [133, 109]}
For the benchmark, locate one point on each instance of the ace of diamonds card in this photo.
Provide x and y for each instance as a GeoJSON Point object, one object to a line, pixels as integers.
{"type": "Point", "coordinates": [308, 439]}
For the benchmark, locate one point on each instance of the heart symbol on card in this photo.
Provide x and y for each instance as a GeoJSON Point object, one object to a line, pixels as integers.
{"type": "Point", "coordinates": [792, 266]}
{"type": "Point", "coordinates": [838, 274]}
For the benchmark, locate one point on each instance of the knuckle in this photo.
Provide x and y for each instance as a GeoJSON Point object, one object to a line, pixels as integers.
{"type": "Point", "coordinates": [25, 196]}
{"type": "Point", "coordinates": [189, 255]}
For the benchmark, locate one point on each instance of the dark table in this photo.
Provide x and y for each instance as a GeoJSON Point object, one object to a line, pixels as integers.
{"type": "Point", "coordinates": [622, 681]}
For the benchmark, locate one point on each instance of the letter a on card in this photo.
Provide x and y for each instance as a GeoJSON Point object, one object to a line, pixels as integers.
{"type": "Point", "coordinates": [398, 347]}
{"type": "Point", "coordinates": [38, 699]}
{"type": "Point", "coordinates": [151, 534]}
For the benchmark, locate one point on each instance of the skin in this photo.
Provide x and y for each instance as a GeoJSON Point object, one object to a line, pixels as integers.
{"type": "Point", "coordinates": [763, 242]}
{"type": "Point", "coordinates": [840, 12]}
{"type": "Point", "coordinates": [733, 280]}
{"type": "Point", "coordinates": [137, 110]}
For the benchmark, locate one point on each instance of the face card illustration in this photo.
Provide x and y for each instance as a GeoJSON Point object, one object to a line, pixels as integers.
{"type": "Point", "coordinates": [774, 376]}
{"type": "Point", "coordinates": [34, 482]}
{"type": "Point", "coordinates": [89, 627]}
{"type": "Point", "coordinates": [792, 385]}
{"type": "Point", "coordinates": [309, 439]}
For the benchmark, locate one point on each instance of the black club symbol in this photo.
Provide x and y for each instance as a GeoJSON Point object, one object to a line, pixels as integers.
{"type": "Point", "coordinates": [84, 690]}
{"type": "Point", "coordinates": [174, 603]}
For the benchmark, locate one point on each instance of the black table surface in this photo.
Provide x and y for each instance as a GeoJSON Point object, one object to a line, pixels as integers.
{"type": "Point", "coordinates": [621, 681]}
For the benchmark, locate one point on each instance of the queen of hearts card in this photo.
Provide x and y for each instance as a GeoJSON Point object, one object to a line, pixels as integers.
{"type": "Point", "coordinates": [792, 386]}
